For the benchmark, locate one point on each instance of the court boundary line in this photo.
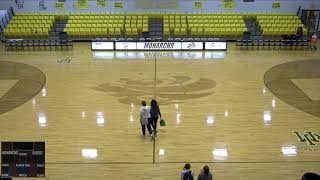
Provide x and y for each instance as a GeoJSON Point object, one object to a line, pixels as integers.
{"type": "Point", "coordinates": [154, 96]}
{"type": "Point", "coordinates": [299, 89]}
{"type": "Point", "coordinates": [43, 84]}
{"type": "Point", "coordinates": [193, 162]}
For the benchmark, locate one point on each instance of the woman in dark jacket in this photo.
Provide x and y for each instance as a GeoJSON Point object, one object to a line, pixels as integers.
{"type": "Point", "coordinates": [205, 174]}
{"type": "Point", "coordinates": [154, 114]}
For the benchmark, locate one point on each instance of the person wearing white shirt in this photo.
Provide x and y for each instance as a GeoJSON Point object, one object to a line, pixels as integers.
{"type": "Point", "coordinates": [144, 118]}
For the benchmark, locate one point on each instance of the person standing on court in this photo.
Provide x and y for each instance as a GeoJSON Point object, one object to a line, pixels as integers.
{"type": "Point", "coordinates": [313, 41]}
{"type": "Point", "coordinates": [205, 174]}
{"type": "Point", "coordinates": [300, 32]}
{"type": "Point", "coordinates": [187, 173]}
{"type": "Point", "coordinates": [154, 114]}
{"type": "Point", "coordinates": [144, 118]}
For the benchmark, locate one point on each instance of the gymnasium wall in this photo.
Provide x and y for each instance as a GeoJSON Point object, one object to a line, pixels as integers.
{"type": "Point", "coordinates": [3, 22]}
{"type": "Point", "coordinates": [161, 5]}
{"type": "Point", "coordinates": [2, 13]}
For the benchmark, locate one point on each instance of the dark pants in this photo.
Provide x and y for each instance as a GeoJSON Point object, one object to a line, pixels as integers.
{"type": "Point", "coordinates": [153, 122]}
{"type": "Point", "coordinates": [144, 129]}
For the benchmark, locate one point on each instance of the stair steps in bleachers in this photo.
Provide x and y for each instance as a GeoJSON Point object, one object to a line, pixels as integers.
{"type": "Point", "coordinates": [155, 27]}
{"type": "Point", "coordinates": [58, 27]}
{"type": "Point", "coordinates": [253, 28]}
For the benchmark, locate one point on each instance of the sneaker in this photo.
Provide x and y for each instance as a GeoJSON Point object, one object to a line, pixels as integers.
{"type": "Point", "coordinates": [153, 136]}
{"type": "Point", "coordinates": [155, 131]}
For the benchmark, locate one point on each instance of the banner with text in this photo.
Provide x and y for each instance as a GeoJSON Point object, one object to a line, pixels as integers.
{"type": "Point", "coordinates": [228, 4]}
{"type": "Point", "coordinates": [275, 5]}
{"type": "Point", "coordinates": [166, 4]}
{"type": "Point", "coordinates": [118, 4]}
{"type": "Point", "coordinates": [59, 5]}
{"type": "Point", "coordinates": [196, 46]}
{"type": "Point", "coordinates": [159, 45]}
{"type": "Point", "coordinates": [126, 46]}
{"type": "Point", "coordinates": [102, 46]}
{"type": "Point", "coordinates": [216, 46]}
{"type": "Point", "coordinates": [101, 3]}
{"type": "Point", "coordinates": [198, 4]}
{"type": "Point", "coordinates": [81, 4]}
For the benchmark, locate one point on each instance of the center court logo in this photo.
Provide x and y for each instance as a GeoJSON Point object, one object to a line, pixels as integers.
{"type": "Point", "coordinates": [169, 90]}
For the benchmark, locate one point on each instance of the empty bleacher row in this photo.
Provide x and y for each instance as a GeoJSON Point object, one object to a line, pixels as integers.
{"type": "Point", "coordinates": [272, 44]}
{"type": "Point", "coordinates": [280, 24]}
{"type": "Point", "coordinates": [22, 44]}
{"type": "Point", "coordinates": [30, 25]}
{"type": "Point", "coordinates": [214, 25]}
{"type": "Point", "coordinates": [92, 25]}
{"type": "Point", "coordinates": [203, 25]}
{"type": "Point", "coordinates": [175, 25]}
{"type": "Point", "coordinates": [104, 25]}
{"type": "Point", "coordinates": [134, 24]}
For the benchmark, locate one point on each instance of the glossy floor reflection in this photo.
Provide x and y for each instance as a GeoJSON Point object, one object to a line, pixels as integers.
{"type": "Point", "coordinates": [218, 109]}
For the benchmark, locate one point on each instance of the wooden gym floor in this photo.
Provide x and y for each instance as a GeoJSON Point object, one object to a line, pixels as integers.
{"type": "Point", "coordinates": [246, 114]}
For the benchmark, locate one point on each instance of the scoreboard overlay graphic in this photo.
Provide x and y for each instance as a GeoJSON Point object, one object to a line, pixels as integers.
{"type": "Point", "coordinates": [23, 159]}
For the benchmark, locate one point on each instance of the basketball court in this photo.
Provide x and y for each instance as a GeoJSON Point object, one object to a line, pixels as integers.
{"type": "Point", "coordinates": [245, 114]}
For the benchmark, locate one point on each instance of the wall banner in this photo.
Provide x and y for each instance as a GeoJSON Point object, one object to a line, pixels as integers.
{"type": "Point", "coordinates": [228, 4]}
{"type": "Point", "coordinates": [101, 3]}
{"type": "Point", "coordinates": [275, 5]}
{"type": "Point", "coordinates": [198, 4]}
{"type": "Point", "coordinates": [19, 3]}
{"type": "Point", "coordinates": [42, 5]}
{"type": "Point", "coordinates": [59, 5]}
{"type": "Point", "coordinates": [81, 4]}
{"type": "Point", "coordinates": [118, 4]}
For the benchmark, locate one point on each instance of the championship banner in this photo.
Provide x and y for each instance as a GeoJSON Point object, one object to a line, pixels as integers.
{"type": "Point", "coordinates": [81, 4]}
{"type": "Point", "coordinates": [118, 4]}
{"type": "Point", "coordinates": [198, 4]}
{"type": "Point", "coordinates": [59, 5]}
{"type": "Point", "coordinates": [166, 4]}
{"type": "Point", "coordinates": [144, 4]}
{"type": "Point", "coordinates": [101, 3]}
{"type": "Point", "coordinates": [275, 5]}
{"type": "Point", "coordinates": [228, 4]}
